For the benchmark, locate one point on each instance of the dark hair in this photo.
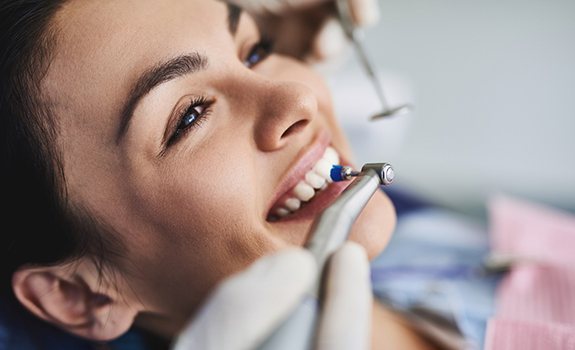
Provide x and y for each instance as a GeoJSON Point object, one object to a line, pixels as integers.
{"type": "Point", "coordinates": [39, 225]}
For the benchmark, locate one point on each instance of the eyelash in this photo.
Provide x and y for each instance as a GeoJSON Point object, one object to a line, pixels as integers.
{"type": "Point", "coordinates": [199, 109]}
{"type": "Point", "coordinates": [259, 52]}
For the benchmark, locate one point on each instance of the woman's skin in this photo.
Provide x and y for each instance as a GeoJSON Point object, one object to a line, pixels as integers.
{"type": "Point", "coordinates": [195, 208]}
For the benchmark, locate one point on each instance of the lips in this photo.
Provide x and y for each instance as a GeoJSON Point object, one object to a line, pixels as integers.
{"type": "Point", "coordinates": [309, 188]}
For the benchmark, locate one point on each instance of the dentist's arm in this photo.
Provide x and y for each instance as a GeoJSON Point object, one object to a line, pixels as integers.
{"type": "Point", "coordinates": [309, 29]}
{"type": "Point", "coordinates": [248, 306]}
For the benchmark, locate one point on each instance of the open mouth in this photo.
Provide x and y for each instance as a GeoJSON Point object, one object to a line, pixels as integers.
{"type": "Point", "coordinates": [314, 183]}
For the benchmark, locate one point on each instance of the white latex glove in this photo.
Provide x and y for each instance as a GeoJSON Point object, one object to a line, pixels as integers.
{"type": "Point", "coordinates": [365, 12]}
{"type": "Point", "coordinates": [248, 306]}
{"type": "Point", "coordinates": [309, 29]}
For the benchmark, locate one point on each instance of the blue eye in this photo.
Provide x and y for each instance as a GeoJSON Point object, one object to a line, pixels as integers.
{"type": "Point", "coordinates": [192, 115]}
{"type": "Point", "coordinates": [191, 118]}
{"type": "Point", "coordinates": [259, 52]}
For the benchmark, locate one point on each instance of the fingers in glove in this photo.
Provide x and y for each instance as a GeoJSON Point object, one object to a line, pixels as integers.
{"type": "Point", "coordinates": [239, 315]}
{"type": "Point", "coordinates": [364, 12]}
{"type": "Point", "coordinates": [346, 317]}
{"type": "Point", "coordinates": [330, 42]}
{"type": "Point", "coordinates": [276, 7]}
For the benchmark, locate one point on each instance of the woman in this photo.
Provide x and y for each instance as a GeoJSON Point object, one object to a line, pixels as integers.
{"type": "Point", "coordinates": [159, 147]}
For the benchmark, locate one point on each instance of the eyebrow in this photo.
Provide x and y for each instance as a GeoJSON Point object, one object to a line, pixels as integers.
{"type": "Point", "coordinates": [165, 71]}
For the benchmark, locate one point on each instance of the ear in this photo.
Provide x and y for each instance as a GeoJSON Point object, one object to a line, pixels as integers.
{"type": "Point", "coordinates": [74, 299]}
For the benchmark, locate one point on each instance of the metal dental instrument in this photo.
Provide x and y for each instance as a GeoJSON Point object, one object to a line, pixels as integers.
{"type": "Point", "coordinates": [328, 232]}
{"type": "Point", "coordinates": [350, 30]}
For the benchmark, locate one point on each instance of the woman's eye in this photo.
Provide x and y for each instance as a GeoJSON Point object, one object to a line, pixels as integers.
{"type": "Point", "coordinates": [190, 118]}
{"type": "Point", "coordinates": [259, 52]}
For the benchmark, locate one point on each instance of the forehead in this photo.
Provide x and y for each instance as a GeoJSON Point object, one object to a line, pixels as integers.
{"type": "Point", "coordinates": [90, 28]}
{"type": "Point", "coordinates": [103, 45]}
{"type": "Point", "coordinates": [105, 18]}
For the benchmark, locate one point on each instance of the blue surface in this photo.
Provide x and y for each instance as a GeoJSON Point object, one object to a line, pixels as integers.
{"type": "Point", "coordinates": [432, 260]}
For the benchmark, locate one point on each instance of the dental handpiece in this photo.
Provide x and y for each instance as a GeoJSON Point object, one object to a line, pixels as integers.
{"type": "Point", "coordinates": [334, 224]}
{"type": "Point", "coordinates": [329, 231]}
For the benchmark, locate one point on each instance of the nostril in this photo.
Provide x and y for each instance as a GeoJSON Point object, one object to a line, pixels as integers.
{"type": "Point", "coordinates": [295, 127]}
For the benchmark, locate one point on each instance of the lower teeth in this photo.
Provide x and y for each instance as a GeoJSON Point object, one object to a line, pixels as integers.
{"type": "Point", "coordinates": [283, 212]}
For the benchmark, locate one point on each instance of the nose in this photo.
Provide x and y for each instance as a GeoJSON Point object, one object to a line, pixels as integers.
{"type": "Point", "coordinates": [285, 110]}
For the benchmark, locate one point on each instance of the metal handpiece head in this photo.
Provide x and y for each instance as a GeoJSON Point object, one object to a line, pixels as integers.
{"type": "Point", "coordinates": [384, 171]}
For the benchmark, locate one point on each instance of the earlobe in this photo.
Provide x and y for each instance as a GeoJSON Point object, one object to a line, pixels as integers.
{"type": "Point", "coordinates": [70, 302]}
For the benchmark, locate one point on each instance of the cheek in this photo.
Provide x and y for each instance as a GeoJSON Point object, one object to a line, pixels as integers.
{"type": "Point", "coordinates": [214, 203]}
{"type": "Point", "coordinates": [375, 225]}
{"type": "Point", "coordinates": [205, 227]}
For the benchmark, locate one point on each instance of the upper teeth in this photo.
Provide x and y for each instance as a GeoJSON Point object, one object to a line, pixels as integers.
{"type": "Point", "coordinates": [315, 179]}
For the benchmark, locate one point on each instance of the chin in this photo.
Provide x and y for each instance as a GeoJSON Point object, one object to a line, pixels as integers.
{"type": "Point", "coordinates": [375, 225]}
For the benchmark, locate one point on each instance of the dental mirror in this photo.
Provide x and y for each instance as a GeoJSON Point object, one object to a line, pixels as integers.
{"type": "Point", "coordinates": [350, 29]}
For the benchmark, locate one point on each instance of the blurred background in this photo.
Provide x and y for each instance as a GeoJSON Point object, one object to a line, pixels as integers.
{"type": "Point", "coordinates": [493, 85]}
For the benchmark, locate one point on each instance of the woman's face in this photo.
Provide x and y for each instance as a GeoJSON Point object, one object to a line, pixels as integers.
{"type": "Point", "coordinates": [178, 131]}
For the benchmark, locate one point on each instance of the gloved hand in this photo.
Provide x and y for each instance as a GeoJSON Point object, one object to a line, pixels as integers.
{"type": "Point", "coordinates": [309, 29]}
{"type": "Point", "coordinates": [248, 306]}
